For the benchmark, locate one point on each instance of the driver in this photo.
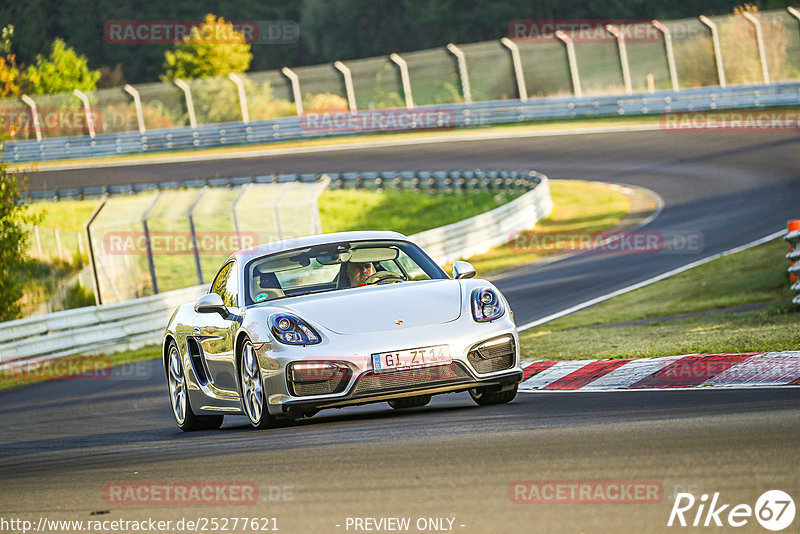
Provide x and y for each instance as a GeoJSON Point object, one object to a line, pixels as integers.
{"type": "Point", "coordinates": [357, 273]}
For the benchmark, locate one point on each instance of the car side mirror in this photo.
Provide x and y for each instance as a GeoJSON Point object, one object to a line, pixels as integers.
{"type": "Point", "coordinates": [211, 303]}
{"type": "Point", "coordinates": [463, 269]}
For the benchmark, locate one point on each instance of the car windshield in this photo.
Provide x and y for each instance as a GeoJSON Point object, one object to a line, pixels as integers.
{"type": "Point", "coordinates": [336, 266]}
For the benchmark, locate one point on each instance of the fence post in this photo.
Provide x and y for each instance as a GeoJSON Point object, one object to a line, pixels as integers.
{"type": "Point", "coordinates": [462, 72]}
{"type": "Point", "coordinates": [87, 111]}
{"type": "Point", "coordinates": [137, 102]}
{"type": "Point", "coordinates": [80, 244]}
{"type": "Point", "coordinates": [348, 84]}
{"type": "Point", "coordinates": [404, 78]}
{"type": "Point", "coordinates": [150, 262]}
{"type": "Point", "coordinates": [187, 91]}
{"type": "Point", "coordinates": [197, 265]}
{"type": "Point", "coordinates": [38, 240]}
{"type": "Point", "coordinates": [87, 227]}
{"type": "Point", "coordinates": [573, 62]}
{"type": "Point", "coordinates": [37, 127]}
{"type": "Point", "coordinates": [760, 43]}
{"type": "Point", "coordinates": [515, 60]}
{"type": "Point", "coordinates": [59, 250]}
{"type": "Point", "coordinates": [717, 49]}
{"type": "Point", "coordinates": [237, 80]}
{"type": "Point", "coordinates": [623, 57]}
{"type": "Point", "coordinates": [673, 72]}
{"type": "Point", "coordinates": [298, 98]}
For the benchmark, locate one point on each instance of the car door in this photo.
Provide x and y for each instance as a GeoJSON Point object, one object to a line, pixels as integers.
{"type": "Point", "coordinates": [215, 334]}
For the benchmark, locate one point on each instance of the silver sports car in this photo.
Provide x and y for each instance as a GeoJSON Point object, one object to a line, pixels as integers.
{"type": "Point", "coordinates": [335, 320]}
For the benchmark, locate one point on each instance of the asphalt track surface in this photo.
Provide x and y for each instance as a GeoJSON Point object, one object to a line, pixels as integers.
{"type": "Point", "coordinates": [63, 442]}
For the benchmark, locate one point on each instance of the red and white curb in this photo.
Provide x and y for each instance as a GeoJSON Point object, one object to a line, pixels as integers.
{"type": "Point", "coordinates": [742, 370]}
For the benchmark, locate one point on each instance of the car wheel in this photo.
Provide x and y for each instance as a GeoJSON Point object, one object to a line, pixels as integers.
{"type": "Point", "coordinates": [179, 396]}
{"type": "Point", "coordinates": [252, 389]}
{"type": "Point", "coordinates": [410, 402]}
{"type": "Point", "coordinates": [487, 396]}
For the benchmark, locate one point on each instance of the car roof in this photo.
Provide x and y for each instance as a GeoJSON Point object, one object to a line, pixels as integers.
{"type": "Point", "coordinates": [247, 254]}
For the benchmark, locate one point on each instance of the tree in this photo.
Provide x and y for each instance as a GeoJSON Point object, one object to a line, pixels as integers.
{"type": "Point", "coordinates": [13, 242]}
{"type": "Point", "coordinates": [213, 49]}
{"type": "Point", "coordinates": [62, 71]}
{"type": "Point", "coordinates": [10, 75]}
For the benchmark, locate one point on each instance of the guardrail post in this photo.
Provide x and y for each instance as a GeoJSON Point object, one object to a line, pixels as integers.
{"type": "Point", "coordinates": [137, 103]}
{"type": "Point", "coordinates": [515, 60]}
{"type": "Point", "coordinates": [195, 245]}
{"type": "Point", "coordinates": [462, 72]}
{"type": "Point", "coordinates": [37, 127]}
{"type": "Point", "coordinates": [150, 262]}
{"type": "Point", "coordinates": [717, 49]}
{"type": "Point", "coordinates": [760, 43]}
{"type": "Point", "coordinates": [573, 62]}
{"type": "Point", "coordinates": [623, 56]}
{"type": "Point", "coordinates": [237, 80]}
{"type": "Point", "coordinates": [404, 78]}
{"type": "Point", "coordinates": [87, 227]}
{"type": "Point", "coordinates": [673, 72]}
{"type": "Point", "coordinates": [87, 110]}
{"type": "Point", "coordinates": [298, 98]}
{"type": "Point", "coordinates": [234, 205]}
{"type": "Point", "coordinates": [348, 84]}
{"type": "Point", "coordinates": [187, 91]}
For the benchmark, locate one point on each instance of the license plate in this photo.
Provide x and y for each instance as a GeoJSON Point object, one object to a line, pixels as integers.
{"type": "Point", "coordinates": [411, 358]}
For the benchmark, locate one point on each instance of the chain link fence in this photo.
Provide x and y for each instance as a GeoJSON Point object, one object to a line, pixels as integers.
{"type": "Point", "coordinates": [434, 78]}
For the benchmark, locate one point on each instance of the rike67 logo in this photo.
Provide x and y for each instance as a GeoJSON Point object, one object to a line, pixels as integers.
{"type": "Point", "coordinates": [774, 510]}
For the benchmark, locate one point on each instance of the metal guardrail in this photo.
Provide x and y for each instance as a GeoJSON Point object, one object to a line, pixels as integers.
{"type": "Point", "coordinates": [446, 116]}
{"type": "Point", "coordinates": [114, 327]}
{"type": "Point", "coordinates": [420, 180]}
{"type": "Point", "coordinates": [793, 237]}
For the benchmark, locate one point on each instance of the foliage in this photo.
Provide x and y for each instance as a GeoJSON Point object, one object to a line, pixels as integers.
{"type": "Point", "coordinates": [213, 49]}
{"type": "Point", "coordinates": [324, 102]}
{"type": "Point", "coordinates": [13, 242]}
{"type": "Point", "coordinates": [62, 71]}
{"type": "Point", "coordinates": [10, 75]}
{"type": "Point", "coordinates": [77, 296]}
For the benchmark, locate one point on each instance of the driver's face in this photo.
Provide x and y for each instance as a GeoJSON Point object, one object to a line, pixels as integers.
{"type": "Point", "coordinates": [357, 273]}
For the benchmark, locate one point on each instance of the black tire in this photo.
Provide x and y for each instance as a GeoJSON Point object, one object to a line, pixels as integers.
{"type": "Point", "coordinates": [179, 396]}
{"type": "Point", "coordinates": [410, 402]}
{"type": "Point", "coordinates": [487, 396]}
{"type": "Point", "coordinates": [251, 389]}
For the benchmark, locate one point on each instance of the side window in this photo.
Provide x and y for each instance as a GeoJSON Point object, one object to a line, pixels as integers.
{"type": "Point", "coordinates": [225, 285]}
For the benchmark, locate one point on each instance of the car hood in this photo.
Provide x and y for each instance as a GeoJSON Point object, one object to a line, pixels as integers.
{"type": "Point", "coordinates": [378, 308]}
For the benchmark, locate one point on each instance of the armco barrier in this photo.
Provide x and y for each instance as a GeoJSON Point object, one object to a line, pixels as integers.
{"type": "Point", "coordinates": [449, 116]}
{"type": "Point", "coordinates": [793, 237]}
{"type": "Point", "coordinates": [114, 327]}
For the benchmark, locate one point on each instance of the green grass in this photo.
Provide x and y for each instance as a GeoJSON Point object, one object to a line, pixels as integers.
{"type": "Point", "coordinates": [738, 303]}
{"type": "Point", "coordinates": [579, 208]}
{"type": "Point", "coordinates": [407, 212]}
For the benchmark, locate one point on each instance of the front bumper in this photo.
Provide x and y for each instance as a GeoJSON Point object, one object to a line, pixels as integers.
{"type": "Point", "coordinates": [365, 386]}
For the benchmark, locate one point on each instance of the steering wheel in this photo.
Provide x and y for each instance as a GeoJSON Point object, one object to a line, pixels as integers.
{"type": "Point", "coordinates": [383, 277]}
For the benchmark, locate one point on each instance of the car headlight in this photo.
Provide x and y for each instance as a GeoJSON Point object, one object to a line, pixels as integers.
{"type": "Point", "coordinates": [486, 305]}
{"type": "Point", "coordinates": [292, 330]}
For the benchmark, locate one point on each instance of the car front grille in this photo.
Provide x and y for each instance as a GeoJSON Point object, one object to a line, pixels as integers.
{"type": "Point", "coordinates": [372, 382]}
{"type": "Point", "coordinates": [493, 355]}
{"type": "Point", "coordinates": [321, 387]}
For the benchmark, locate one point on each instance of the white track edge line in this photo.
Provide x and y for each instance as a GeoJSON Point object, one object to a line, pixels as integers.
{"type": "Point", "coordinates": [644, 283]}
